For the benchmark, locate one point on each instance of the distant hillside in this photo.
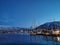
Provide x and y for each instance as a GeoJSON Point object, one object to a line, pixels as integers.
{"type": "Point", "coordinates": [9, 28]}
{"type": "Point", "coordinates": [49, 25]}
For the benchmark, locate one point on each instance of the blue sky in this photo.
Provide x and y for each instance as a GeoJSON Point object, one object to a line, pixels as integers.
{"type": "Point", "coordinates": [26, 13]}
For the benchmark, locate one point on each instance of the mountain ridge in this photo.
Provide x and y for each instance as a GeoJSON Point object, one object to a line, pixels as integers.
{"type": "Point", "coordinates": [49, 25]}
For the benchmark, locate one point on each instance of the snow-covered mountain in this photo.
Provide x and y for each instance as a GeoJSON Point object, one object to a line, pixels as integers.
{"type": "Point", "coordinates": [49, 25]}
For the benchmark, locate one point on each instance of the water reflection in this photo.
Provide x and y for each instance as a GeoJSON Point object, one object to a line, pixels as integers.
{"type": "Point", "coordinates": [52, 40]}
{"type": "Point", "coordinates": [23, 38]}
{"type": "Point", "coordinates": [56, 38]}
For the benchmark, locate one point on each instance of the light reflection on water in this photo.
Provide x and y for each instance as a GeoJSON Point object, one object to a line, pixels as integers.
{"type": "Point", "coordinates": [23, 38]}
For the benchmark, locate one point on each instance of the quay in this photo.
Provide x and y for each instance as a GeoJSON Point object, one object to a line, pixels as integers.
{"type": "Point", "coordinates": [35, 32]}
{"type": "Point", "coordinates": [54, 33]}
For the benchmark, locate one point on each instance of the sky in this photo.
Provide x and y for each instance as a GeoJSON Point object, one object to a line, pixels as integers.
{"type": "Point", "coordinates": [27, 13]}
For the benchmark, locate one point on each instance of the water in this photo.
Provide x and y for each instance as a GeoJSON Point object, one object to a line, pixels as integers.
{"type": "Point", "coordinates": [26, 39]}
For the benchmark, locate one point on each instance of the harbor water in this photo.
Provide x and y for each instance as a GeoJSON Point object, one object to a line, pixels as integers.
{"type": "Point", "coordinates": [26, 39]}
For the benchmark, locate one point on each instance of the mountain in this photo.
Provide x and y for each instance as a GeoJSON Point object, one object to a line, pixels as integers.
{"type": "Point", "coordinates": [50, 25]}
